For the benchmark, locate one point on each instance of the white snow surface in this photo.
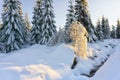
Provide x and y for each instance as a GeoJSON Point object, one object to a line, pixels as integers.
{"type": "Point", "coordinates": [111, 69]}
{"type": "Point", "coordinates": [53, 63]}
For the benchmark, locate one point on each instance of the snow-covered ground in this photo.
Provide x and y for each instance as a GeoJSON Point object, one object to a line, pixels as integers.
{"type": "Point", "coordinates": [54, 63]}
{"type": "Point", "coordinates": [111, 69]}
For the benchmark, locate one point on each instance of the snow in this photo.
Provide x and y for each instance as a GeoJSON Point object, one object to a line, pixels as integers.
{"type": "Point", "coordinates": [110, 70]}
{"type": "Point", "coordinates": [54, 63]}
{"type": "Point", "coordinates": [36, 62]}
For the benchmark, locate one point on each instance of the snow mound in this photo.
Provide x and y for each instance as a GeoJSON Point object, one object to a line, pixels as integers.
{"type": "Point", "coordinates": [36, 63]}
{"type": "Point", "coordinates": [54, 63]}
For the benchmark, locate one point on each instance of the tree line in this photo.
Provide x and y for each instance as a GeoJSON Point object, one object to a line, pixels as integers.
{"type": "Point", "coordinates": [16, 31]}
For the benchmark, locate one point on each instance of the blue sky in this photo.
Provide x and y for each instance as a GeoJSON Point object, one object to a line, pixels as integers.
{"type": "Point", "coordinates": [97, 8]}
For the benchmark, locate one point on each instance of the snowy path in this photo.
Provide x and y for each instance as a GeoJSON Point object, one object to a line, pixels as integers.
{"type": "Point", "coordinates": [111, 69]}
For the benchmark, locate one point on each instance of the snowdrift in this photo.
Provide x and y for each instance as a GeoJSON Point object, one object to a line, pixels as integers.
{"type": "Point", "coordinates": [54, 63]}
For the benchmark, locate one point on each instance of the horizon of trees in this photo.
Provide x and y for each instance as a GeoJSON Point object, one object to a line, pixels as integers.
{"type": "Point", "coordinates": [16, 30]}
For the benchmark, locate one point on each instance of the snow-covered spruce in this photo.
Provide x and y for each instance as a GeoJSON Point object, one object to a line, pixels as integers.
{"type": "Point", "coordinates": [107, 29]}
{"type": "Point", "coordinates": [48, 26]}
{"type": "Point", "coordinates": [99, 31]}
{"type": "Point", "coordinates": [113, 32]}
{"type": "Point", "coordinates": [57, 38]}
{"type": "Point", "coordinates": [69, 20]}
{"type": "Point", "coordinates": [70, 15]}
{"type": "Point", "coordinates": [118, 29]}
{"type": "Point", "coordinates": [28, 27]}
{"type": "Point", "coordinates": [13, 28]}
{"type": "Point", "coordinates": [37, 23]}
{"type": "Point", "coordinates": [82, 15]}
{"type": "Point", "coordinates": [0, 24]}
{"type": "Point", "coordinates": [27, 22]}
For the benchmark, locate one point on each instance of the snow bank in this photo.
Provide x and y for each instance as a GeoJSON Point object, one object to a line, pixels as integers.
{"type": "Point", "coordinates": [53, 63]}
{"type": "Point", "coordinates": [110, 70]}
{"type": "Point", "coordinates": [36, 63]}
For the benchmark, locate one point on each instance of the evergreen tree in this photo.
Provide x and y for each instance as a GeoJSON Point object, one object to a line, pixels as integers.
{"type": "Point", "coordinates": [28, 27]}
{"type": "Point", "coordinates": [99, 31]}
{"type": "Point", "coordinates": [57, 38]}
{"type": "Point", "coordinates": [113, 32]}
{"type": "Point", "coordinates": [70, 15]}
{"type": "Point", "coordinates": [27, 22]}
{"type": "Point", "coordinates": [37, 23]}
{"type": "Point", "coordinates": [69, 20]}
{"type": "Point", "coordinates": [48, 26]}
{"type": "Point", "coordinates": [103, 23]}
{"type": "Point", "coordinates": [0, 24]}
{"type": "Point", "coordinates": [82, 15]}
{"type": "Point", "coordinates": [118, 29]}
{"type": "Point", "coordinates": [13, 29]}
{"type": "Point", "coordinates": [107, 29]}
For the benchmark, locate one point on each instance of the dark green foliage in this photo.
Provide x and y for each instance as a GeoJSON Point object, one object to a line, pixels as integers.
{"type": "Point", "coordinates": [36, 33]}
{"type": "Point", "coordinates": [118, 29]}
{"type": "Point", "coordinates": [13, 28]}
{"type": "Point", "coordinates": [113, 32]}
{"type": "Point", "coordinates": [48, 26]}
{"type": "Point", "coordinates": [82, 15]}
{"type": "Point", "coordinates": [99, 31]}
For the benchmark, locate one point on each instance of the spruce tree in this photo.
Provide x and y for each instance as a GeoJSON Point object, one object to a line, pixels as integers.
{"type": "Point", "coordinates": [12, 32]}
{"type": "Point", "coordinates": [113, 32]}
{"type": "Point", "coordinates": [36, 31]}
{"type": "Point", "coordinates": [27, 22]}
{"type": "Point", "coordinates": [48, 26]}
{"type": "Point", "coordinates": [107, 29]}
{"type": "Point", "coordinates": [118, 29]}
{"type": "Point", "coordinates": [28, 27]}
{"type": "Point", "coordinates": [99, 31]}
{"type": "Point", "coordinates": [70, 15]}
{"type": "Point", "coordinates": [103, 23]}
{"type": "Point", "coordinates": [69, 20]}
{"type": "Point", "coordinates": [0, 24]}
{"type": "Point", "coordinates": [82, 15]}
{"type": "Point", "coordinates": [57, 38]}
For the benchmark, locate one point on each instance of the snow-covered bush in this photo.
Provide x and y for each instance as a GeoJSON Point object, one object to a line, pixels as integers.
{"type": "Point", "coordinates": [78, 35]}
